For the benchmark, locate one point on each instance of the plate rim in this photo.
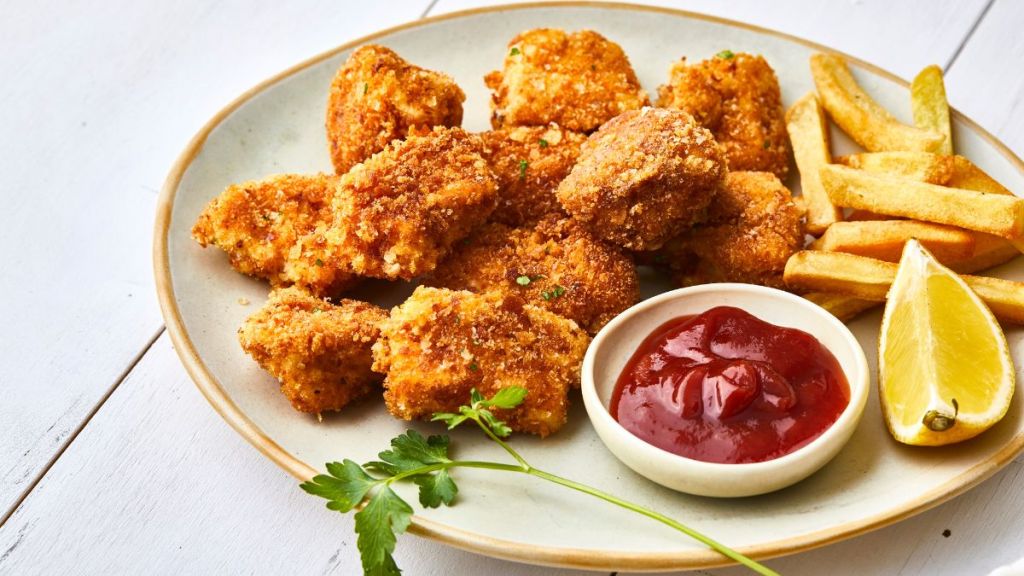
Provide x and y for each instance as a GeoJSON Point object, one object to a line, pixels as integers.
{"type": "Point", "coordinates": [583, 558]}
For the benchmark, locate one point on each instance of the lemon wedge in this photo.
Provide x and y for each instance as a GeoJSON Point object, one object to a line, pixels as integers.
{"type": "Point", "coordinates": [944, 368]}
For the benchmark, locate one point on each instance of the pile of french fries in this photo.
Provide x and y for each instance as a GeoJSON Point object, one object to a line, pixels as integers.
{"type": "Point", "coordinates": [909, 183]}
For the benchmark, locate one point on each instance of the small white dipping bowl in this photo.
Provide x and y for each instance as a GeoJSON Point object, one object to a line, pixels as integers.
{"type": "Point", "coordinates": [615, 344]}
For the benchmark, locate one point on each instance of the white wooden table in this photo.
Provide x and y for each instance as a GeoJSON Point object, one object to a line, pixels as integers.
{"type": "Point", "coordinates": [111, 461]}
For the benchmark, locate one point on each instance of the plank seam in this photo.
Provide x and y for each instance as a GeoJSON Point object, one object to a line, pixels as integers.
{"type": "Point", "coordinates": [81, 426]}
{"type": "Point", "coordinates": [967, 38]}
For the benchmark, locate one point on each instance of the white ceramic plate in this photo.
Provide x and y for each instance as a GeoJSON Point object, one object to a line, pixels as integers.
{"type": "Point", "coordinates": [278, 127]}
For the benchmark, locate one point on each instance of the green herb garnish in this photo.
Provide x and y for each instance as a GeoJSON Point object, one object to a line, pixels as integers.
{"type": "Point", "coordinates": [543, 143]}
{"type": "Point", "coordinates": [514, 51]}
{"type": "Point", "coordinates": [522, 169]}
{"type": "Point", "coordinates": [425, 462]}
{"type": "Point", "coordinates": [474, 366]}
{"type": "Point", "coordinates": [319, 262]}
{"type": "Point", "coordinates": [725, 55]}
{"type": "Point", "coordinates": [366, 86]}
{"type": "Point", "coordinates": [555, 292]}
{"type": "Point", "coordinates": [523, 280]}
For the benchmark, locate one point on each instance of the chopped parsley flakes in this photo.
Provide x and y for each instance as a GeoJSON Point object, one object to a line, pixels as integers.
{"type": "Point", "coordinates": [523, 280]}
{"type": "Point", "coordinates": [522, 169]}
{"type": "Point", "coordinates": [514, 51]}
{"type": "Point", "coordinates": [319, 262]}
{"type": "Point", "coordinates": [725, 55]}
{"type": "Point", "coordinates": [555, 292]}
{"type": "Point", "coordinates": [543, 143]}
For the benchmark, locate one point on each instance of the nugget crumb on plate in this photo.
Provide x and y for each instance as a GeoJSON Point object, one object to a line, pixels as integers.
{"type": "Point", "coordinates": [579, 81]}
{"type": "Point", "coordinates": [398, 214]}
{"type": "Point", "coordinates": [320, 352]}
{"type": "Point", "coordinates": [440, 344]}
{"type": "Point", "coordinates": [528, 163]}
{"type": "Point", "coordinates": [753, 227]}
{"type": "Point", "coordinates": [643, 178]}
{"type": "Point", "coordinates": [556, 265]}
{"type": "Point", "coordinates": [377, 97]}
{"type": "Point", "coordinates": [258, 222]}
{"type": "Point", "coordinates": [737, 97]}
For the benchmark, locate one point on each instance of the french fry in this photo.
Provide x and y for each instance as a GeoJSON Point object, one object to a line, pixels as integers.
{"type": "Point", "coordinates": [808, 134]}
{"type": "Point", "coordinates": [862, 118]}
{"type": "Point", "coordinates": [884, 240]}
{"type": "Point", "coordinates": [870, 279]}
{"type": "Point", "coordinates": [989, 251]}
{"type": "Point", "coordinates": [920, 166]}
{"type": "Point", "coordinates": [969, 177]}
{"type": "Point", "coordinates": [843, 307]}
{"type": "Point", "coordinates": [990, 213]}
{"type": "Point", "coordinates": [930, 107]}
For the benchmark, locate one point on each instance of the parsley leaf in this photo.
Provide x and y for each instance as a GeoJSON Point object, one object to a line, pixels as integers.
{"type": "Point", "coordinates": [319, 262]}
{"type": "Point", "coordinates": [514, 51]}
{"type": "Point", "coordinates": [543, 143]}
{"type": "Point", "coordinates": [725, 55]}
{"type": "Point", "coordinates": [377, 524]}
{"type": "Point", "coordinates": [508, 397]}
{"type": "Point", "coordinates": [345, 487]}
{"type": "Point", "coordinates": [522, 169]}
{"type": "Point", "coordinates": [410, 451]}
{"type": "Point", "coordinates": [555, 292]}
{"type": "Point", "coordinates": [523, 280]}
{"type": "Point", "coordinates": [436, 489]}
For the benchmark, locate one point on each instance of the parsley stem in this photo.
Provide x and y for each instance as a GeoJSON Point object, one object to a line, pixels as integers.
{"type": "Point", "coordinates": [526, 468]}
{"type": "Point", "coordinates": [487, 430]}
{"type": "Point", "coordinates": [721, 548]}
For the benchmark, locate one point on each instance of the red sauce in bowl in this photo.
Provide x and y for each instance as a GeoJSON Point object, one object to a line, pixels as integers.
{"type": "Point", "coordinates": [725, 386]}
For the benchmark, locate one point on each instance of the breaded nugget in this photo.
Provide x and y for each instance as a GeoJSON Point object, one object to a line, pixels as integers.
{"type": "Point", "coordinates": [753, 227]}
{"type": "Point", "coordinates": [315, 264]}
{"type": "Point", "coordinates": [556, 265]}
{"type": "Point", "coordinates": [579, 81]}
{"type": "Point", "coordinates": [439, 344]}
{"type": "Point", "coordinates": [397, 214]}
{"type": "Point", "coordinates": [737, 97]}
{"type": "Point", "coordinates": [320, 352]}
{"type": "Point", "coordinates": [377, 97]}
{"type": "Point", "coordinates": [529, 162]}
{"type": "Point", "coordinates": [643, 178]}
{"type": "Point", "coordinates": [258, 222]}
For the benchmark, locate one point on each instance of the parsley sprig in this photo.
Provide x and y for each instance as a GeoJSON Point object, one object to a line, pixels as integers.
{"type": "Point", "coordinates": [425, 462]}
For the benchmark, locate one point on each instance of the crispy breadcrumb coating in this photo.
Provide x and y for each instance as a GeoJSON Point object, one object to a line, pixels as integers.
{"type": "Point", "coordinates": [440, 344]}
{"type": "Point", "coordinates": [753, 227]}
{"type": "Point", "coordinates": [737, 97]}
{"type": "Point", "coordinates": [643, 178]}
{"type": "Point", "coordinates": [529, 162]}
{"type": "Point", "coordinates": [377, 97]}
{"type": "Point", "coordinates": [397, 214]}
{"type": "Point", "coordinates": [556, 265]}
{"type": "Point", "coordinates": [258, 222]}
{"type": "Point", "coordinates": [320, 352]}
{"type": "Point", "coordinates": [579, 81]}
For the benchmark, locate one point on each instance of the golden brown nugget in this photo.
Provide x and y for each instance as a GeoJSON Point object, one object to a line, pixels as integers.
{"type": "Point", "coordinates": [753, 227]}
{"type": "Point", "coordinates": [398, 214]}
{"type": "Point", "coordinates": [440, 344]}
{"type": "Point", "coordinates": [737, 97]}
{"type": "Point", "coordinates": [258, 222]}
{"type": "Point", "coordinates": [579, 81]}
{"type": "Point", "coordinates": [556, 265]}
{"type": "Point", "coordinates": [377, 97]}
{"type": "Point", "coordinates": [529, 163]}
{"type": "Point", "coordinates": [320, 352]}
{"type": "Point", "coordinates": [643, 178]}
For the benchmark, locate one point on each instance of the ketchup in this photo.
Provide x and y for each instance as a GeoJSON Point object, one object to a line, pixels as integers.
{"type": "Point", "coordinates": [728, 387]}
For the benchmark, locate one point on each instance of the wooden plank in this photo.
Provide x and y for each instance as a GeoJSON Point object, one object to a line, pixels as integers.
{"type": "Point", "coordinates": [99, 101]}
{"type": "Point", "coordinates": [902, 37]}
{"type": "Point", "coordinates": [985, 82]}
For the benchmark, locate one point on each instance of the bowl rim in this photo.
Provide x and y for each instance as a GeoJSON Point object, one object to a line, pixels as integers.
{"type": "Point", "coordinates": [859, 384]}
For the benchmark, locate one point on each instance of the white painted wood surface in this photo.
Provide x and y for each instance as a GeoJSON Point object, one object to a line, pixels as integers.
{"type": "Point", "coordinates": [156, 482]}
